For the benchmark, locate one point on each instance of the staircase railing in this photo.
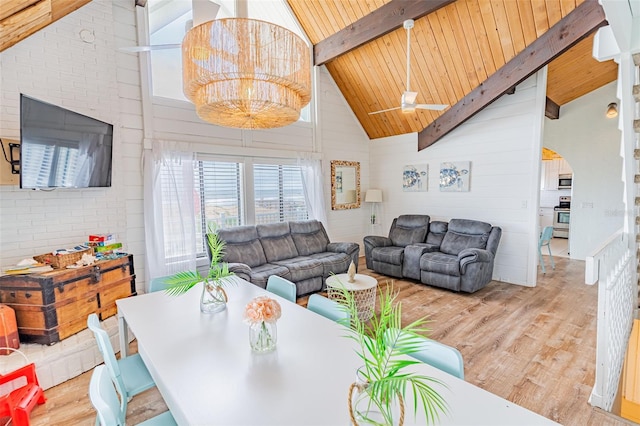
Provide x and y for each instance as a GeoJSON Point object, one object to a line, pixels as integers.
{"type": "Point", "coordinates": [612, 268]}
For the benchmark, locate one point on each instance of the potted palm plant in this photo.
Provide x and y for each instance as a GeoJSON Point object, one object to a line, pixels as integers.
{"type": "Point", "coordinates": [214, 298]}
{"type": "Point", "coordinates": [377, 396]}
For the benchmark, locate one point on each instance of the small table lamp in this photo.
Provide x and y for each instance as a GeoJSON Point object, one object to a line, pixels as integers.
{"type": "Point", "coordinates": [373, 196]}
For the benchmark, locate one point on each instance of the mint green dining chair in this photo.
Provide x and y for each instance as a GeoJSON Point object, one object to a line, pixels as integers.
{"type": "Point", "coordinates": [282, 287]}
{"type": "Point", "coordinates": [434, 353]}
{"type": "Point", "coordinates": [158, 284]}
{"type": "Point", "coordinates": [545, 240]}
{"type": "Point", "coordinates": [327, 308]}
{"type": "Point", "coordinates": [105, 400]}
{"type": "Point", "coordinates": [129, 374]}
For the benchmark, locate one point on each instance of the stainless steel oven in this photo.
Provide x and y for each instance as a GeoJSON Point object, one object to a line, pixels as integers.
{"type": "Point", "coordinates": [562, 218]}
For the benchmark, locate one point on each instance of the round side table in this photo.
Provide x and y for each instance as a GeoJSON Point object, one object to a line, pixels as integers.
{"type": "Point", "coordinates": [363, 290]}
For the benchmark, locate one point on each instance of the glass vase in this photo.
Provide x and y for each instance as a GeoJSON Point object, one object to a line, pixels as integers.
{"type": "Point", "coordinates": [263, 336]}
{"type": "Point", "coordinates": [365, 410]}
{"type": "Point", "coordinates": [213, 299]}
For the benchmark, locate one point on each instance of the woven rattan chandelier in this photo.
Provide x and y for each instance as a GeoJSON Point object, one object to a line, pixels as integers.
{"type": "Point", "coordinates": [246, 73]}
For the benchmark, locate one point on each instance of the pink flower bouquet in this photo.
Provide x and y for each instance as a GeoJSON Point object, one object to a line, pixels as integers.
{"type": "Point", "coordinates": [262, 309]}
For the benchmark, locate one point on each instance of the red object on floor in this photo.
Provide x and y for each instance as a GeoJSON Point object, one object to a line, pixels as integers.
{"type": "Point", "coordinates": [8, 330]}
{"type": "Point", "coordinates": [19, 402]}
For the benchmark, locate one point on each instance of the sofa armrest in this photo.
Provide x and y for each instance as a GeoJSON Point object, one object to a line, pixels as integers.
{"type": "Point", "coordinates": [377, 241]}
{"type": "Point", "coordinates": [371, 242]}
{"type": "Point", "coordinates": [473, 255]}
{"type": "Point", "coordinates": [241, 270]}
{"type": "Point", "coordinates": [352, 249]}
{"type": "Point", "coordinates": [427, 248]}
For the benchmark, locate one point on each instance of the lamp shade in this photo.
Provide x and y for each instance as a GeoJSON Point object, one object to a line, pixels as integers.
{"type": "Point", "coordinates": [373, 196]}
{"type": "Point", "coordinates": [612, 110]}
{"type": "Point", "coordinates": [246, 73]}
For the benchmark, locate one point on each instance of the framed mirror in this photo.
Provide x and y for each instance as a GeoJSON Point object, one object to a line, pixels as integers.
{"type": "Point", "coordinates": [345, 185]}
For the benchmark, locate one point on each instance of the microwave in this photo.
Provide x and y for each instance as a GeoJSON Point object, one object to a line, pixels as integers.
{"type": "Point", "coordinates": [564, 181]}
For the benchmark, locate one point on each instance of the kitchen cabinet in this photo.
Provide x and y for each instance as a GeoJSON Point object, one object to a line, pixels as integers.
{"type": "Point", "coordinates": [545, 217]}
{"type": "Point", "coordinates": [551, 169]}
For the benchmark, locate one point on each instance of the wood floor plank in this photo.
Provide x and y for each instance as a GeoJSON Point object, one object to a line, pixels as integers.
{"type": "Point", "coordinates": [533, 346]}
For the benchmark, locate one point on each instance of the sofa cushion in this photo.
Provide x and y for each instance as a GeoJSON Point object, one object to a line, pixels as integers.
{"type": "Point", "coordinates": [440, 263]}
{"type": "Point", "coordinates": [392, 255]}
{"type": "Point", "coordinates": [242, 246]}
{"type": "Point", "coordinates": [402, 237]}
{"type": "Point", "coordinates": [301, 267]}
{"type": "Point", "coordinates": [437, 231]}
{"type": "Point", "coordinates": [260, 274]}
{"type": "Point", "coordinates": [464, 233]}
{"type": "Point", "coordinates": [332, 263]}
{"type": "Point", "coordinates": [309, 237]}
{"type": "Point", "coordinates": [276, 241]}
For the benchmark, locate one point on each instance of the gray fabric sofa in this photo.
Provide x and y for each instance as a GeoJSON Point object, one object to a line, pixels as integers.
{"type": "Point", "coordinates": [299, 251]}
{"type": "Point", "coordinates": [458, 255]}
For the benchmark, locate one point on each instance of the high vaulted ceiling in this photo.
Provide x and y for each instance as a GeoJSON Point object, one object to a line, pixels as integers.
{"type": "Point", "coordinates": [454, 51]}
{"type": "Point", "coordinates": [464, 53]}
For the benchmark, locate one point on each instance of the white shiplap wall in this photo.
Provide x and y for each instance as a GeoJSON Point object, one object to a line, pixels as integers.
{"type": "Point", "coordinates": [503, 144]}
{"type": "Point", "coordinates": [56, 66]}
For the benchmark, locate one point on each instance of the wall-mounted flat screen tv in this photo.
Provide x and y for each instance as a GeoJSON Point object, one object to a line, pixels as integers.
{"type": "Point", "coordinates": [61, 148]}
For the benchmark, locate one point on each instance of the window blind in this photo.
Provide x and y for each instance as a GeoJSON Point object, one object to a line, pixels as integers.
{"type": "Point", "coordinates": [278, 193]}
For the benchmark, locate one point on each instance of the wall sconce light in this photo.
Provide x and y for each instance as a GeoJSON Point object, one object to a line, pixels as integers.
{"type": "Point", "coordinates": [373, 196]}
{"type": "Point", "coordinates": [612, 110]}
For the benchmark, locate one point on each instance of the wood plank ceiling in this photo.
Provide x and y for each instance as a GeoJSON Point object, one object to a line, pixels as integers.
{"type": "Point", "coordinates": [21, 18]}
{"type": "Point", "coordinates": [453, 51]}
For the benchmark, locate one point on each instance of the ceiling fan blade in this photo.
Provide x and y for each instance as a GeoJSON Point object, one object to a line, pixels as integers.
{"type": "Point", "coordinates": [384, 110]}
{"type": "Point", "coordinates": [435, 107]}
{"type": "Point", "coordinates": [135, 49]}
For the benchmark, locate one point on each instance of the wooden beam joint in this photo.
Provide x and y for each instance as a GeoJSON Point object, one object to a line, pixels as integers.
{"type": "Point", "coordinates": [551, 110]}
{"type": "Point", "coordinates": [381, 21]}
{"type": "Point", "coordinates": [575, 26]}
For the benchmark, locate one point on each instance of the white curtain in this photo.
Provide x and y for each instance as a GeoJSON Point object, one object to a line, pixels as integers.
{"type": "Point", "coordinates": [313, 191]}
{"type": "Point", "coordinates": [170, 222]}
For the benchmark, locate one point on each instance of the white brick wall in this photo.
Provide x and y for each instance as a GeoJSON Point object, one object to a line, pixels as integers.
{"type": "Point", "coordinates": [56, 66]}
{"type": "Point", "coordinates": [95, 79]}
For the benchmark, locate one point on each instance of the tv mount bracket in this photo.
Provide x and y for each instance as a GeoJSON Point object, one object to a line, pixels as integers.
{"type": "Point", "coordinates": [14, 161]}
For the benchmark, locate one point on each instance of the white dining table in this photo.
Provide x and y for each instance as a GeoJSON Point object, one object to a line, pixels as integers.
{"type": "Point", "coordinates": [208, 375]}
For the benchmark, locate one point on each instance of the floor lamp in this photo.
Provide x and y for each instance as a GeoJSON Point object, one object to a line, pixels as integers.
{"type": "Point", "coordinates": [373, 196]}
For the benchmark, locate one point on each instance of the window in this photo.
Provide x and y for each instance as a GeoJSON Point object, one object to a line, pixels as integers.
{"type": "Point", "coordinates": [222, 188]}
{"type": "Point", "coordinates": [278, 193]}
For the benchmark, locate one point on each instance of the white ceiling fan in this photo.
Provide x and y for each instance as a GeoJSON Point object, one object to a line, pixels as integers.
{"type": "Point", "coordinates": [408, 99]}
{"type": "Point", "coordinates": [202, 11]}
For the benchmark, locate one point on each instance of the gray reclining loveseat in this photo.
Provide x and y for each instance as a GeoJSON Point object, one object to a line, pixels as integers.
{"type": "Point", "coordinates": [299, 251]}
{"type": "Point", "coordinates": [458, 255]}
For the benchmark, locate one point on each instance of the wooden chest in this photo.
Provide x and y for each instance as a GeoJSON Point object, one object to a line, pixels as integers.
{"type": "Point", "coordinates": [54, 305]}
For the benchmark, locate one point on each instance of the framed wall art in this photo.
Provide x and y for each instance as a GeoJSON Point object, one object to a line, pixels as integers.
{"type": "Point", "coordinates": [455, 176]}
{"type": "Point", "coordinates": [415, 177]}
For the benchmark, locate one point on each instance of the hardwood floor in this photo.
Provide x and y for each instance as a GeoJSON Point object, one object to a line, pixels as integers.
{"type": "Point", "coordinates": [532, 346]}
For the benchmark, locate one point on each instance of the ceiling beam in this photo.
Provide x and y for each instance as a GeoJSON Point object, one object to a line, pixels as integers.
{"type": "Point", "coordinates": [381, 21]}
{"type": "Point", "coordinates": [578, 24]}
{"type": "Point", "coordinates": [551, 109]}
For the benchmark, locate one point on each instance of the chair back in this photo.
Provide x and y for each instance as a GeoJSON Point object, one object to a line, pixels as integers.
{"type": "Point", "coordinates": [436, 354]}
{"type": "Point", "coordinates": [441, 356]}
{"type": "Point", "coordinates": [104, 398]}
{"type": "Point", "coordinates": [282, 287]}
{"type": "Point", "coordinates": [327, 308]}
{"type": "Point", "coordinates": [106, 349]}
{"type": "Point", "coordinates": [158, 284]}
{"type": "Point", "coordinates": [545, 236]}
